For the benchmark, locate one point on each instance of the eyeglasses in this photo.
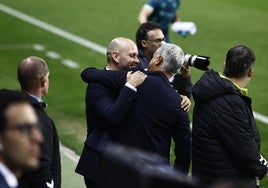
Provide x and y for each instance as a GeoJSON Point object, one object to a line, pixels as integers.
{"type": "Point", "coordinates": [24, 128]}
{"type": "Point", "coordinates": [156, 40]}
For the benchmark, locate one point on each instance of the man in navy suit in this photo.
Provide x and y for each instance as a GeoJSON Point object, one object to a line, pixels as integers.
{"type": "Point", "coordinates": [106, 109]}
{"type": "Point", "coordinates": [20, 137]}
{"type": "Point", "coordinates": [156, 116]}
{"type": "Point", "coordinates": [33, 76]}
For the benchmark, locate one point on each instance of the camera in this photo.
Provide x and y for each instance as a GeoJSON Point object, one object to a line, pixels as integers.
{"type": "Point", "coordinates": [198, 61]}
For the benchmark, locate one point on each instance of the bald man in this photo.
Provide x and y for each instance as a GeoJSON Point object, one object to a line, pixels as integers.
{"type": "Point", "coordinates": [122, 54]}
{"type": "Point", "coordinates": [33, 76]}
{"type": "Point", "coordinates": [106, 110]}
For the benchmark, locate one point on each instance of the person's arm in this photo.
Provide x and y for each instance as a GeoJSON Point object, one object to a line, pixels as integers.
{"type": "Point", "coordinates": [113, 110]}
{"type": "Point", "coordinates": [176, 18]}
{"type": "Point", "coordinates": [114, 105]}
{"type": "Point", "coordinates": [182, 138]}
{"type": "Point", "coordinates": [145, 12]}
{"type": "Point", "coordinates": [110, 79]}
{"type": "Point", "coordinates": [183, 85]}
{"type": "Point", "coordinates": [56, 161]}
{"type": "Point", "coordinates": [234, 130]}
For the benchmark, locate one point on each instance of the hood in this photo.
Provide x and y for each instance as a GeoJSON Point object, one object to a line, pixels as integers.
{"type": "Point", "coordinates": [210, 86]}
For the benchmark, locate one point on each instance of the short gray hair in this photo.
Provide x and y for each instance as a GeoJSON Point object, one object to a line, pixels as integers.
{"type": "Point", "coordinates": [173, 57]}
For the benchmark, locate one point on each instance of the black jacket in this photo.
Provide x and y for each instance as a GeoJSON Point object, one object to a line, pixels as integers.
{"type": "Point", "coordinates": [105, 110]}
{"type": "Point", "coordinates": [3, 183]}
{"type": "Point", "coordinates": [226, 142]}
{"type": "Point", "coordinates": [155, 118]}
{"type": "Point", "coordinates": [50, 164]}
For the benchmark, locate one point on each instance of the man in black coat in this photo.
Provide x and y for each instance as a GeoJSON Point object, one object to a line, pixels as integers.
{"type": "Point", "coordinates": [226, 142]}
{"type": "Point", "coordinates": [106, 109]}
{"type": "Point", "coordinates": [33, 75]}
{"type": "Point", "coordinates": [156, 116]}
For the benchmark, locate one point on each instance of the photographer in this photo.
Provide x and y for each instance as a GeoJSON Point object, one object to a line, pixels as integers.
{"type": "Point", "coordinates": [148, 39]}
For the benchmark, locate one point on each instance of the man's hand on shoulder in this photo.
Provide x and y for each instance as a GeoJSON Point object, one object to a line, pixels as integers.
{"type": "Point", "coordinates": [136, 78]}
{"type": "Point", "coordinates": [185, 103]}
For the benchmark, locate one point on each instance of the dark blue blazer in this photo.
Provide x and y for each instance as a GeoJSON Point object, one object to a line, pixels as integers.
{"type": "Point", "coordinates": [106, 109]}
{"type": "Point", "coordinates": [3, 183]}
{"type": "Point", "coordinates": [155, 118]}
{"type": "Point", "coordinates": [50, 161]}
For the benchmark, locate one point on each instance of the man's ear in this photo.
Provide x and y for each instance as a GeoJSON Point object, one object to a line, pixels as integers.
{"type": "Point", "coordinates": [250, 72]}
{"type": "Point", "coordinates": [159, 60]}
{"type": "Point", "coordinates": [115, 56]}
{"type": "Point", "coordinates": [144, 43]}
{"type": "Point", "coordinates": [43, 81]}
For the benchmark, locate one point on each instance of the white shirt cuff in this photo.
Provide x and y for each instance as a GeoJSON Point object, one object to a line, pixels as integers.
{"type": "Point", "coordinates": [131, 87]}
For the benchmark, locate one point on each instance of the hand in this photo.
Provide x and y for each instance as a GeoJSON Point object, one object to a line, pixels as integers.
{"type": "Point", "coordinates": [185, 71]}
{"type": "Point", "coordinates": [136, 78]}
{"type": "Point", "coordinates": [185, 103]}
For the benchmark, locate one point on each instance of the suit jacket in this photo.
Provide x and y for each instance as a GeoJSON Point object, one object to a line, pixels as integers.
{"type": "Point", "coordinates": [3, 183]}
{"type": "Point", "coordinates": [105, 111]}
{"type": "Point", "coordinates": [155, 118]}
{"type": "Point", "coordinates": [50, 164]}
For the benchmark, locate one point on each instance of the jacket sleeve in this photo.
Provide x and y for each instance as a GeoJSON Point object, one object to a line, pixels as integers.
{"type": "Point", "coordinates": [182, 137]}
{"type": "Point", "coordinates": [110, 79]}
{"type": "Point", "coordinates": [56, 161]}
{"type": "Point", "coordinates": [234, 129]}
{"type": "Point", "coordinates": [113, 110]}
{"type": "Point", "coordinates": [183, 85]}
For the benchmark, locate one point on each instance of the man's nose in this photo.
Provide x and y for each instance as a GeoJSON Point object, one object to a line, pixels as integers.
{"type": "Point", "coordinates": [37, 136]}
{"type": "Point", "coordinates": [136, 60]}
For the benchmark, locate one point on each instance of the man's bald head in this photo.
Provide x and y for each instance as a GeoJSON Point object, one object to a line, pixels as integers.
{"type": "Point", "coordinates": [30, 70]}
{"type": "Point", "coordinates": [117, 44]}
{"type": "Point", "coordinates": [122, 54]}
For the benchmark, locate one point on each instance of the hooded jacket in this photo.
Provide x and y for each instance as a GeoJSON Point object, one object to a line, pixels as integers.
{"type": "Point", "coordinates": [226, 142]}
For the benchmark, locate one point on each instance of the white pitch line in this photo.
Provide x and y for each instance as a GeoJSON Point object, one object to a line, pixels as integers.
{"type": "Point", "coordinates": [69, 153]}
{"type": "Point", "coordinates": [70, 63]}
{"type": "Point", "coordinates": [262, 118]}
{"type": "Point", "coordinates": [38, 47]}
{"type": "Point", "coordinates": [53, 29]}
{"type": "Point", "coordinates": [15, 46]}
{"type": "Point", "coordinates": [53, 55]}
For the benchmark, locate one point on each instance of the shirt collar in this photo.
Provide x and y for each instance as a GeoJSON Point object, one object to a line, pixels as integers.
{"type": "Point", "coordinates": [37, 98]}
{"type": "Point", "coordinates": [243, 91]}
{"type": "Point", "coordinates": [9, 176]}
{"type": "Point", "coordinates": [171, 78]}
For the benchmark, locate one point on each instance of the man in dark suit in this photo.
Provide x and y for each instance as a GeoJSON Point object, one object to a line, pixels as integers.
{"type": "Point", "coordinates": [20, 137]}
{"type": "Point", "coordinates": [106, 109]}
{"type": "Point", "coordinates": [156, 116]}
{"type": "Point", "coordinates": [33, 75]}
